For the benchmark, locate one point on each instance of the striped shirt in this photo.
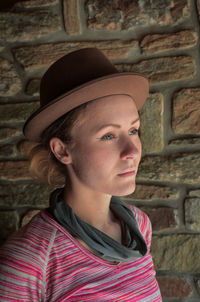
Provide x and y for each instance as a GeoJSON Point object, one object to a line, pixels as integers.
{"type": "Point", "coordinates": [43, 262]}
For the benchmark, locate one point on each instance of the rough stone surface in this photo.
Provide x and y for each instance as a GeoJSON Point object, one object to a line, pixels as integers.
{"type": "Point", "coordinates": [7, 133]}
{"type": "Point", "coordinates": [8, 223]}
{"type": "Point", "coordinates": [153, 192]}
{"type": "Point", "coordinates": [186, 111]}
{"type": "Point", "coordinates": [173, 287]}
{"type": "Point", "coordinates": [34, 57]}
{"type": "Point", "coordinates": [176, 253]}
{"type": "Point", "coordinates": [165, 69]}
{"type": "Point", "coordinates": [192, 214]}
{"type": "Point", "coordinates": [17, 112]}
{"type": "Point", "coordinates": [28, 216]}
{"type": "Point", "coordinates": [71, 11]}
{"type": "Point", "coordinates": [10, 82]}
{"type": "Point", "coordinates": [33, 87]}
{"type": "Point", "coordinates": [151, 44]}
{"type": "Point", "coordinates": [35, 3]}
{"type": "Point", "coordinates": [14, 170]}
{"type": "Point", "coordinates": [194, 193]}
{"type": "Point", "coordinates": [185, 141]}
{"type": "Point", "coordinates": [28, 25]}
{"type": "Point", "coordinates": [179, 167]}
{"type": "Point", "coordinates": [161, 218]}
{"type": "Point", "coordinates": [152, 118]}
{"type": "Point", "coordinates": [8, 151]}
{"type": "Point", "coordinates": [24, 195]}
{"type": "Point", "coordinates": [121, 15]}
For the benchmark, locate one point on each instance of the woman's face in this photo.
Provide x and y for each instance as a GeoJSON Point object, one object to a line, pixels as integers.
{"type": "Point", "coordinates": [107, 149]}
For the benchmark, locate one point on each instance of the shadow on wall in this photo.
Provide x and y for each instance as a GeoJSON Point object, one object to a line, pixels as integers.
{"type": "Point", "coordinates": [4, 5]}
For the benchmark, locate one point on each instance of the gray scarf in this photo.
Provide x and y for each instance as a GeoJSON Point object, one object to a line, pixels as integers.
{"type": "Point", "coordinates": [101, 244]}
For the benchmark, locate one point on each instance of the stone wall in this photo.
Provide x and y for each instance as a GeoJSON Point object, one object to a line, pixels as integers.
{"type": "Point", "coordinates": [156, 38]}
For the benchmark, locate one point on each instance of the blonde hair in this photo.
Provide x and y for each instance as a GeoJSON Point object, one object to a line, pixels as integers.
{"type": "Point", "coordinates": [44, 166]}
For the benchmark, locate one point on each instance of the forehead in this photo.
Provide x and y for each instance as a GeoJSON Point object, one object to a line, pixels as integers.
{"type": "Point", "coordinates": [107, 107]}
{"type": "Point", "coordinates": [118, 109]}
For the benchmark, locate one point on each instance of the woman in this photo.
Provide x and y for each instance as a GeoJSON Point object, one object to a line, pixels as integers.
{"type": "Point", "coordinates": [88, 245]}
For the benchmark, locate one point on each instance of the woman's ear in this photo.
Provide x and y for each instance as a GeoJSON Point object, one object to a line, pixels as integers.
{"type": "Point", "coordinates": [60, 150]}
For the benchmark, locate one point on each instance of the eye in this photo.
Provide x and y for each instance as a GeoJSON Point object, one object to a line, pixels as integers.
{"type": "Point", "coordinates": [134, 131]}
{"type": "Point", "coordinates": [107, 137]}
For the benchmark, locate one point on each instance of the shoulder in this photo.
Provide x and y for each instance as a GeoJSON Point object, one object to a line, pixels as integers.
{"type": "Point", "coordinates": [31, 241]}
{"type": "Point", "coordinates": [143, 222]}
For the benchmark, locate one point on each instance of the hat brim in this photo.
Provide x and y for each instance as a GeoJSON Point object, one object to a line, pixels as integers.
{"type": "Point", "coordinates": [132, 84]}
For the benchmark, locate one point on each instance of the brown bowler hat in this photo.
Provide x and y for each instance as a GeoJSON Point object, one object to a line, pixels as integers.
{"type": "Point", "coordinates": [79, 77]}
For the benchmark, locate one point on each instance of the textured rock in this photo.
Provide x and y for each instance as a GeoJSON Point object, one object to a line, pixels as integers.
{"type": "Point", "coordinates": [179, 167]}
{"type": "Point", "coordinates": [7, 133]}
{"type": "Point", "coordinates": [194, 193]}
{"type": "Point", "coordinates": [17, 112]}
{"type": "Point", "coordinates": [8, 151]}
{"type": "Point", "coordinates": [192, 212]}
{"type": "Point", "coordinates": [173, 287]}
{"type": "Point", "coordinates": [28, 24]}
{"type": "Point", "coordinates": [185, 141]}
{"type": "Point", "coordinates": [165, 69]}
{"type": "Point", "coordinates": [71, 12]}
{"type": "Point", "coordinates": [151, 128]}
{"type": "Point", "coordinates": [14, 170]}
{"type": "Point", "coordinates": [34, 57]}
{"type": "Point", "coordinates": [24, 195]}
{"type": "Point", "coordinates": [163, 42]}
{"type": "Point", "coordinates": [153, 192]}
{"type": "Point", "coordinates": [176, 253]}
{"type": "Point", "coordinates": [33, 87]}
{"type": "Point", "coordinates": [8, 223]}
{"type": "Point", "coordinates": [121, 15]}
{"type": "Point", "coordinates": [161, 218]}
{"type": "Point", "coordinates": [34, 3]}
{"type": "Point", "coordinates": [28, 216]}
{"type": "Point", "coordinates": [186, 111]}
{"type": "Point", "coordinates": [10, 83]}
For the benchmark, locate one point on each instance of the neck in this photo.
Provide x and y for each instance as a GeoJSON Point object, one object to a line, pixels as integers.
{"type": "Point", "coordinates": [92, 207]}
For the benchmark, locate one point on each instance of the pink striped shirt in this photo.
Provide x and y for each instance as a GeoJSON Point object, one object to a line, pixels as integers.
{"type": "Point", "coordinates": [43, 262]}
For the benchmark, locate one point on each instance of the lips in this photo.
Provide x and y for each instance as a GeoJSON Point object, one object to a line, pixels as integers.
{"type": "Point", "coordinates": [127, 173]}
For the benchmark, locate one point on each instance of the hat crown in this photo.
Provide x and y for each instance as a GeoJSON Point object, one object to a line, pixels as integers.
{"type": "Point", "coordinates": [73, 70]}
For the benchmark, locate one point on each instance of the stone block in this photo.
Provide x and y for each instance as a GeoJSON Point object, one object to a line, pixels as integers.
{"type": "Point", "coordinates": [71, 12]}
{"type": "Point", "coordinates": [186, 111]}
{"type": "Point", "coordinates": [34, 3]}
{"type": "Point", "coordinates": [10, 82]}
{"type": "Point", "coordinates": [8, 151]}
{"type": "Point", "coordinates": [35, 57]}
{"type": "Point", "coordinates": [176, 253]}
{"type": "Point", "coordinates": [156, 43]}
{"type": "Point", "coordinates": [162, 218]}
{"type": "Point", "coordinates": [28, 24]}
{"type": "Point", "coordinates": [33, 87]}
{"type": "Point", "coordinates": [185, 141]}
{"type": "Point", "coordinates": [153, 192]}
{"type": "Point", "coordinates": [28, 216]}
{"type": "Point", "coordinates": [192, 213]}
{"type": "Point", "coordinates": [11, 113]}
{"type": "Point", "coordinates": [8, 133]}
{"type": "Point", "coordinates": [164, 69]}
{"type": "Point", "coordinates": [8, 223]}
{"type": "Point", "coordinates": [14, 170]}
{"type": "Point", "coordinates": [174, 287]}
{"type": "Point", "coordinates": [28, 195]}
{"type": "Point", "coordinates": [175, 168]}
{"type": "Point", "coordinates": [126, 15]}
{"type": "Point", "coordinates": [151, 128]}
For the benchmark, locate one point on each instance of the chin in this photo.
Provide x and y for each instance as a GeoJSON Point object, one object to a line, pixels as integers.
{"type": "Point", "coordinates": [125, 191]}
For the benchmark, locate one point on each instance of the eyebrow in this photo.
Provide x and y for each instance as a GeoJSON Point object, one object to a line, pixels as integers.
{"type": "Point", "coordinates": [114, 125]}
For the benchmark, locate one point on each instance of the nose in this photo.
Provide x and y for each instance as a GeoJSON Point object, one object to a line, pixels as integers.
{"type": "Point", "coordinates": [131, 149]}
